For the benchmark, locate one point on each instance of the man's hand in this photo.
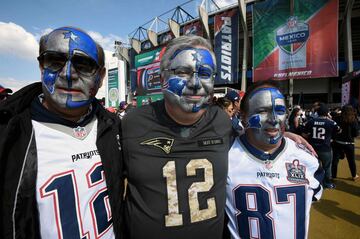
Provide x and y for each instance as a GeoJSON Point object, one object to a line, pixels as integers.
{"type": "Point", "coordinates": [300, 140]}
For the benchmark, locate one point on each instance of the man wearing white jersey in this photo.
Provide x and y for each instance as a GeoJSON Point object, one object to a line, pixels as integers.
{"type": "Point", "coordinates": [272, 180]}
{"type": "Point", "coordinates": [61, 165]}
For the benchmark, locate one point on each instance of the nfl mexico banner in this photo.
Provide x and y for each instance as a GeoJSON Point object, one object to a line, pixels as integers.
{"type": "Point", "coordinates": [227, 47]}
{"type": "Point", "coordinates": [299, 45]}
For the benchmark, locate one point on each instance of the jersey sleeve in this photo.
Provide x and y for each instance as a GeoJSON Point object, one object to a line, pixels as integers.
{"type": "Point", "coordinates": [315, 173]}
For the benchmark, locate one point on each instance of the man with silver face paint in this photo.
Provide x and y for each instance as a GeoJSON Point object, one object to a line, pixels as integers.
{"type": "Point", "coordinates": [266, 117]}
{"type": "Point", "coordinates": [176, 151]}
{"type": "Point", "coordinates": [188, 76]}
{"type": "Point", "coordinates": [272, 180]}
{"type": "Point", "coordinates": [61, 161]}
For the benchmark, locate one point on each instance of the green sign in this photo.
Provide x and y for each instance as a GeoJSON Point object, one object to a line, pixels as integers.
{"type": "Point", "coordinates": [147, 58]}
{"type": "Point", "coordinates": [113, 88]}
{"type": "Point", "coordinates": [147, 99]}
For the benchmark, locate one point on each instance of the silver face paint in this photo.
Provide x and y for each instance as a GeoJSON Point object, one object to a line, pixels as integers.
{"type": "Point", "coordinates": [67, 87]}
{"type": "Point", "coordinates": [189, 80]}
{"type": "Point", "coordinates": [266, 116]}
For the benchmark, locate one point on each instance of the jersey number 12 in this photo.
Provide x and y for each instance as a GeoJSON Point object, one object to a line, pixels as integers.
{"type": "Point", "coordinates": [174, 218]}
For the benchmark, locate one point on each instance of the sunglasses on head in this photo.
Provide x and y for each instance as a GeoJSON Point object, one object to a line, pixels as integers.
{"type": "Point", "coordinates": [55, 61]}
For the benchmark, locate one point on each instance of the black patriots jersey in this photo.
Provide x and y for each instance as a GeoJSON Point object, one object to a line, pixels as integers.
{"type": "Point", "coordinates": [176, 174]}
{"type": "Point", "coordinates": [321, 130]}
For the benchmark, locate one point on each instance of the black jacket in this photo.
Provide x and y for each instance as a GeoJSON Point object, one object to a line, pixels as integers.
{"type": "Point", "coordinates": [18, 165]}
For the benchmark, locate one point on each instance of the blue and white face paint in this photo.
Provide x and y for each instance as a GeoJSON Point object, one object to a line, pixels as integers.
{"type": "Point", "coordinates": [189, 81]}
{"type": "Point", "coordinates": [70, 62]}
{"type": "Point", "coordinates": [266, 115]}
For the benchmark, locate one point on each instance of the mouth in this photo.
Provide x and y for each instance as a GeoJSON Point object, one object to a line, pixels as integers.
{"type": "Point", "coordinates": [193, 98]}
{"type": "Point", "coordinates": [272, 132]}
{"type": "Point", "coordinates": [69, 91]}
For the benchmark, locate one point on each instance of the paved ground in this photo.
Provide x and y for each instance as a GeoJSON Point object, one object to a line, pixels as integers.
{"type": "Point", "coordinates": [337, 215]}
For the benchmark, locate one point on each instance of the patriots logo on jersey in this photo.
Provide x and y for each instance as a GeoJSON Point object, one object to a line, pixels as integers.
{"type": "Point", "coordinates": [296, 172]}
{"type": "Point", "coordinates": [161, 142]}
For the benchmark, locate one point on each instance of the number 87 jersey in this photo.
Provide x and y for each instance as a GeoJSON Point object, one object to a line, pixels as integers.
{"type": "Point", "coordinates": [269, 196]}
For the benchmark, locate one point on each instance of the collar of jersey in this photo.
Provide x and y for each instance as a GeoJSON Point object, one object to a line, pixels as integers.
{"type": "Point", "coordinates": [41, 114]}
{"type": "Point", "coordinates": [264, 156]}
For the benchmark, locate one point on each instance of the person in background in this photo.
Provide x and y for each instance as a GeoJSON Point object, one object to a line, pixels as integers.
{"type": "Point", "coordinates": [319, 131]}
{"type": "Point", "coordinates": [4, 93]}
{"type": "Point", "coordinates": [314, 109]}
{"type": "Point", "coordinates": [294, 121]}
{"type": "Point", "coordinates": [235, 98]}
{"type": "Point", "coordinates": [272, 180]}
{"type": "Point", "coordinates": [344, 142]}
{"type": "Point", "coordinates": [121, 111]}
{"type": "Point", "coordinates": [60, 154]}
{"type": "Point", "coordinates": [226, 105]}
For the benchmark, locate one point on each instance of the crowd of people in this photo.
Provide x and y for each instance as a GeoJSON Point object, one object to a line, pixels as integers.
{"type": "Point", "coordinates": [192, 169]}
{"type": "Point", "coordinates": [331, 132]}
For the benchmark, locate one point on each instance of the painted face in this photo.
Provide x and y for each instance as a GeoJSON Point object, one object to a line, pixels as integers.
{"type": "Point", "coordinates": [189, 80]}
{"type": "Point", "coordinates": [266, 116]}
{"type": "Point", "coordinates": [70, 63]}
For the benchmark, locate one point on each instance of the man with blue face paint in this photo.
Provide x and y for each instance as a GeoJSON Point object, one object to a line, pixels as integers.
{"type": "Point", "coordinates": [266, 117]}
{"type": "Point", "coordinates": [61, 160]}
{"type": "Point", "coordinates": [272, 180]}
{"type": "Point", "coordinates": [176, 151]}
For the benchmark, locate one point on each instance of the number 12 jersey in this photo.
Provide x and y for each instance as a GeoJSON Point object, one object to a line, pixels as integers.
{"type": "Point", "coordinates": [176, 174]}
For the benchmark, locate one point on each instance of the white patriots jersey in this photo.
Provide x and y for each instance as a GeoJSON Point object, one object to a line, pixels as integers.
{"type": "Point", "coordinates": [71, 192]}
{"type": "Point", "coordinates": [271, 199]}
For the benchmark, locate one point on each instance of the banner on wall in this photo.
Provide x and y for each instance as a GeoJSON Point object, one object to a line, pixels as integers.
{"type": "Point", "coordinates": [145, 45]}
{"type": "Point", "coordinates": [148, 80]}
{"type": "Point", "coordinates": [165, 37]}
{"type": "Point", "coordinates": [193, 28]}
{"type": "Point", "coordinates": [149, 57]}
{"type": "Point", "coordinates": [113, 88]}
{"type": "Point", "coordinates": [227, 47]}
{"type": "Point", "coordinates": [299, 45]}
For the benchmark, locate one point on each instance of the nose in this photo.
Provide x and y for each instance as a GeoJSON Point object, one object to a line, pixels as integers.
{"type": "Point", "coordinates": [68, 72]}
{"type": "Point", "coordinates": [273, 118]}
{"type": "Point", "coordinates": [194, 82]}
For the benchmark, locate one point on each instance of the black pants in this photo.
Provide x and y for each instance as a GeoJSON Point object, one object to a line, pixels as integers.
{"type": "Point", "coordinates": [340, 149]}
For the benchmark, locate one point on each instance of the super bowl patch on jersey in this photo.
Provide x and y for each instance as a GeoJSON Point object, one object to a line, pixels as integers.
{"type": "Point", "coordinates": [296, 172]}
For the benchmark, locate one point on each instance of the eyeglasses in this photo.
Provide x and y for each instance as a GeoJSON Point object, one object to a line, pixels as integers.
{"type": "Point", "coordinates": [55, 61]}
{"type": "Point", "coordinates": [202, 73]}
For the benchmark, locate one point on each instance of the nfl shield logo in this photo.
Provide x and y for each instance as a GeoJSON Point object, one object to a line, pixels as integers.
{"type": "Point", "coordinates": [79, 132]}
{"type": "Point", "coordinates": [292, 36]}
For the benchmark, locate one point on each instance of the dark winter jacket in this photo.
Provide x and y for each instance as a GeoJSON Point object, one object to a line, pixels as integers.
{"type": "Point", "coordinates": [18, 165]}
